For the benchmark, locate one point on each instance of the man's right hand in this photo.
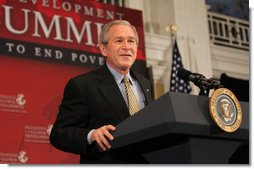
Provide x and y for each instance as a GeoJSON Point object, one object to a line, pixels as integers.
{"type": "Point", "coordinates": [99, 135]}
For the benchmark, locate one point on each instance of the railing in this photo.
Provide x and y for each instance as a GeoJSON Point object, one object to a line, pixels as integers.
{"type": "Point", "coordinates": [228, 31]}
{"type": "Point", "coordinates": [113, 2]}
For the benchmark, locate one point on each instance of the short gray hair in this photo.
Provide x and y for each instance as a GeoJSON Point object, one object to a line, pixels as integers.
{"type": "Point", "coordinates": [103, 38]}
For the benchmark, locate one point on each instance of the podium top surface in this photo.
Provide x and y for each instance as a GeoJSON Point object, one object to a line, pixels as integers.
{"type": "Point", "coordinates": [176, 114]}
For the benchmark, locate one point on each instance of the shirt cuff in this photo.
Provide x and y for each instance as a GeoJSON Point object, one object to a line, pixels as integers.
{"type": "Point", "coordinates": [89, 140]}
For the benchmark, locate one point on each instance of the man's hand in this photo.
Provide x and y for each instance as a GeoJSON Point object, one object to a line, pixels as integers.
{"type": "Point", "coordinates": [100, 134]}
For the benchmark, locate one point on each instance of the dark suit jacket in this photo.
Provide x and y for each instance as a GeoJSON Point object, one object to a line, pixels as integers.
{"type": "Point", "coordinates": [90, 101]}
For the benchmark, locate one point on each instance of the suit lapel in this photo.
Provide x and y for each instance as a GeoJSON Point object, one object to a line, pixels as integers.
{"type": "Point", "coordinates": [144, 87]}
{"type": "Point", "coordinates": [112, 93]}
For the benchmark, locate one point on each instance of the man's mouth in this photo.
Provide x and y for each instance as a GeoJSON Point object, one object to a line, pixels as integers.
{"type": "Point", "coordinates": [125, 54]}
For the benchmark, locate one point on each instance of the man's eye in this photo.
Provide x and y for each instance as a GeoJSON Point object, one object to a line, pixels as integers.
{"type": "Point", "coordinates": [119, 40]}
{"type": "Point", "coordinates": [131, 41]}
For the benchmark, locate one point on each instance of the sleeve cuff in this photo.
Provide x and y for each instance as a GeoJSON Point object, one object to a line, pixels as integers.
{"type": "Point", "coordinates": [89, 140]}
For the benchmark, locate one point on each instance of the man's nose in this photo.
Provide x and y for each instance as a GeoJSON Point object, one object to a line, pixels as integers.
{"type": "Point", "coordinates": [126, 44]}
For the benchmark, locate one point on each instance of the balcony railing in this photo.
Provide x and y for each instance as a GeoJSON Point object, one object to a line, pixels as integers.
{"type": "Point", "coordinates": [228, 31]}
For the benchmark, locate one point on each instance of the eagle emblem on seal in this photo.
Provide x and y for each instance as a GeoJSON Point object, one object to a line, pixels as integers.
{"type": "Point", "coordinates": [226, 110]}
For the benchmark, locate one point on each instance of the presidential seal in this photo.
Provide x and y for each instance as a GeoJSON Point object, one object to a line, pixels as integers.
{"type": "Point", "coordinates": [225, 110]}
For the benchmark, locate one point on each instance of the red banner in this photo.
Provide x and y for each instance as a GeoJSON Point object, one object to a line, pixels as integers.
{"type": "Point", "coordinates": [43, 44]}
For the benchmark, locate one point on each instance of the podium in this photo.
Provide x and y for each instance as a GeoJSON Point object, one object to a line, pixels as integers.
{"type": "Point", "coordinates": [177, 129]}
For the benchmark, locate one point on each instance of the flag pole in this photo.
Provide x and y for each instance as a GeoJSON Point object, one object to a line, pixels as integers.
{"type": "Point", "coordinates": [172, 29]}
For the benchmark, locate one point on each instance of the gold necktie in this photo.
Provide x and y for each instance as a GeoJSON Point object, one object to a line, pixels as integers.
{"type": "Point", "coordinates": [132, 100]}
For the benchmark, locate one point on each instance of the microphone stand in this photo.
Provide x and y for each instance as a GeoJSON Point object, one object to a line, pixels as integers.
{"type": "Point", "coordinates": [204, 91]}
{"type": "Point", "coordinates": [209, 84]}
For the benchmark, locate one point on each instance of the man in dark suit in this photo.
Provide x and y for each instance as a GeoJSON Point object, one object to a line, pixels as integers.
{"type": "Point", "coordinates": [95, 102]}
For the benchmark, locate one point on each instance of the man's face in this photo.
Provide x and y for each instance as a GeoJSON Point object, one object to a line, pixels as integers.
{"type": "Point", "coordinates": [121, 50]}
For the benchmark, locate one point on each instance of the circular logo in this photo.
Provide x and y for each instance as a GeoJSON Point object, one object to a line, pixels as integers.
{"type": "Point", "coordinates": [21, 99]}
{"type": "Point", "coordinates": [22, 157]}
{"type": "Point", "coordinates": [225, 110]}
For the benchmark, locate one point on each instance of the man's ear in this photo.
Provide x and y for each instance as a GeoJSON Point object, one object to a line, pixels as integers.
{"type": "Point", "coordinates": [103, 50]}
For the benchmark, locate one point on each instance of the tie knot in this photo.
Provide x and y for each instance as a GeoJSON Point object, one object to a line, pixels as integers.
{"type": "Point", "coordinates": [126, 80]}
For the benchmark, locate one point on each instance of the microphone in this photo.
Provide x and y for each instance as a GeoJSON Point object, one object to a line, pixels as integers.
{"type": "Point", "coordinates": [198, 79]}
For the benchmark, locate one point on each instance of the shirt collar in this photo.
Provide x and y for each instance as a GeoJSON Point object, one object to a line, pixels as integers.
{"type": "Point", "coordinates": [118, 76]}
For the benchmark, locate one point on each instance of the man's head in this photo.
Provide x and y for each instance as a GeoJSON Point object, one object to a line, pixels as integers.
{"type": "Point", "coordinates": [118, 43]}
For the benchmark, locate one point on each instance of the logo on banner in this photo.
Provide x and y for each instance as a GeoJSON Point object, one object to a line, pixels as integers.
{"type": "Point", "coordinates": [225, 110]}
{"type": "Point", "coordinates": [50, 126]}
{"type": "Point", "coordinates": [13, 158]}
{"type": "Point", "coordinates": [13, 103]}
{"type": "Point", "coordinates": [37, 134]}
{"type": "Point", "coordinates": [21, 99]}
{"type": "Point", "coordinates": [22, 157]}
